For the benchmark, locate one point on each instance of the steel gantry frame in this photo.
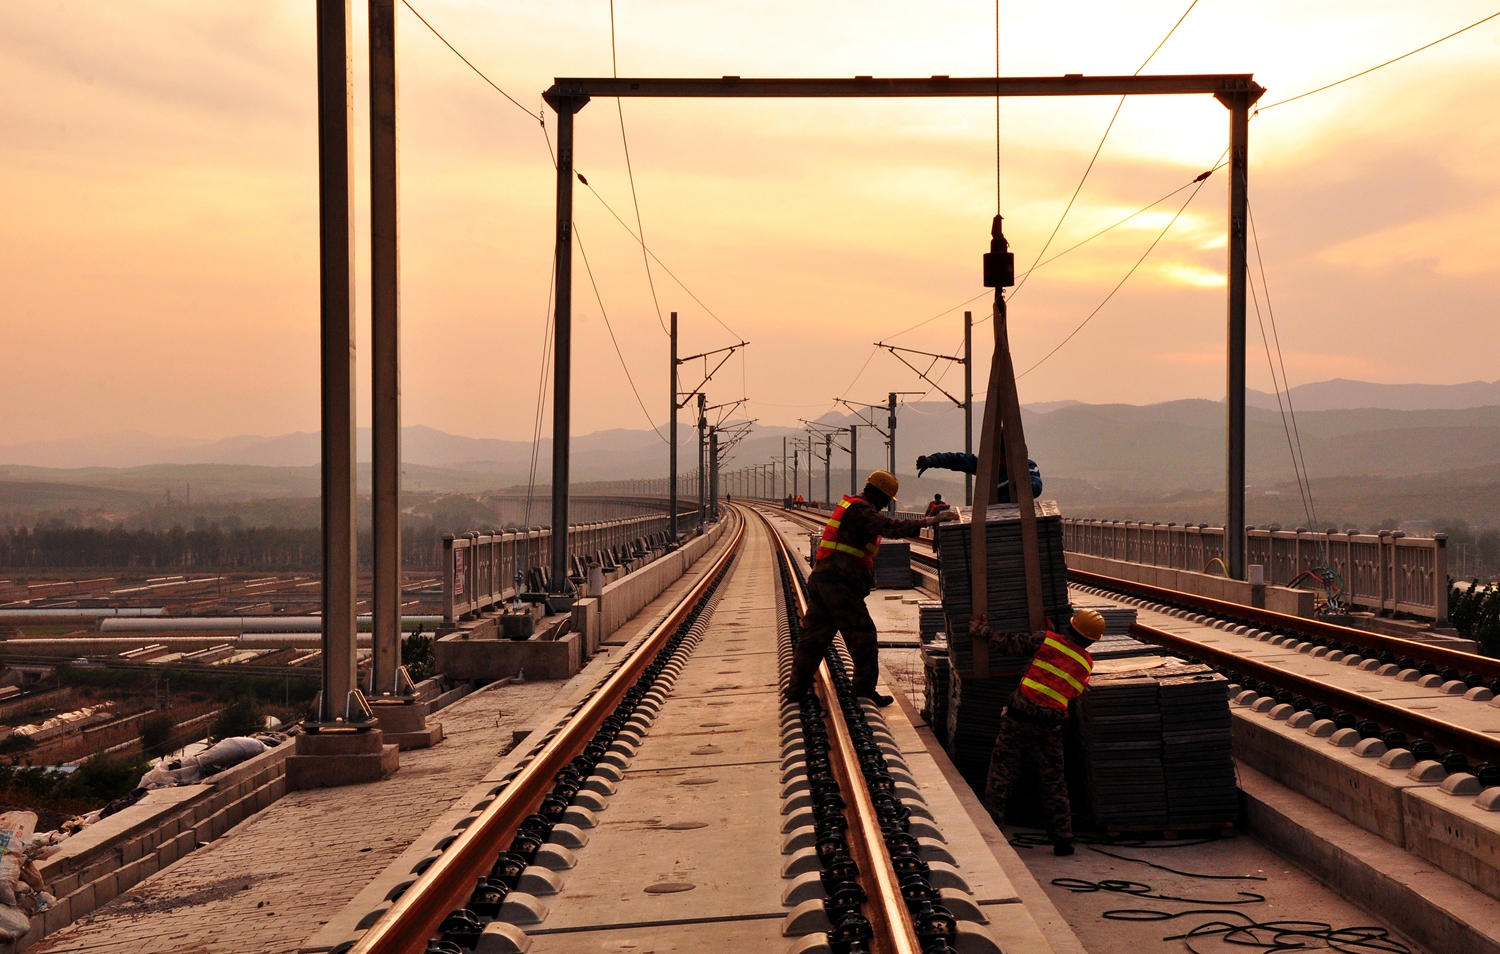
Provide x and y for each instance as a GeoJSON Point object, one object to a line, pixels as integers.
{"type": "Point", "coordinates": [1237, 91]}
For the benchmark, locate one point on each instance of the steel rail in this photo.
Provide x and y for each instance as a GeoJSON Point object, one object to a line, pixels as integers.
{"type": "Point", "coordinates": [1416, 725]}
{"type": "Point", "coordinates": [891, 919]}
{"type": "Point", "coordinates": [448, 883]}
{"type": "Point", "coordinates": [1437, 655]}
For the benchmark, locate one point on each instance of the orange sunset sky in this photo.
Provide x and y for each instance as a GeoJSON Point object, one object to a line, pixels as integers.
{"type": "Point", "coordinates": [158, 244]}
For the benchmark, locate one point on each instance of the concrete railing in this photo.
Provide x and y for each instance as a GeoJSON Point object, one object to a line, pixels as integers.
{"type": "Point", "coordinates": [1383, 572]}
{"type": "Point", "coordinates": [479, 569]}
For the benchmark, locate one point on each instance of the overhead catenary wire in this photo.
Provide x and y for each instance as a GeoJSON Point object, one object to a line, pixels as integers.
{"type": "Point", "coordinates": [1122, 281]}
{"type": "Point", "coordinates": [614, 64]}
{"type": "Point", "coordinates": [541, 391]}
{"type": "Point", "coordinates": [1299, 459]}
{"type": "Point", "coordinates": [1097, 149]}
{"type": "Point", "coordinates": [1366, 72]}
{"type": "Point", "coordinates": [539, 116]}
{"type": "Point", "coordinates": [613, 340]}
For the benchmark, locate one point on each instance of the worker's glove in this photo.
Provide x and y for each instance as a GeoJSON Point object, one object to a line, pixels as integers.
{"type": "Point", "coordinates": [922, 464]}
{"type": "Point", "coordinates": [979, 627]}
{"type": "Point", "coordinates": [942, 516]}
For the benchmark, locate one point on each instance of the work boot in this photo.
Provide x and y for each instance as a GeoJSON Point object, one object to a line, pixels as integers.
{"type": "Point", "coordinates": [1062, 847]}
{"type": "Point", "coordinates": [880, 700]}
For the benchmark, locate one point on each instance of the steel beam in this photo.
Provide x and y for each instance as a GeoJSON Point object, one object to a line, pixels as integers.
{"type": "Point", "coordinates": [984, 87]}
{"type": "Point", "coordinates": [336, 333]}
{"type": "Point", "coordinates": [385, 356]}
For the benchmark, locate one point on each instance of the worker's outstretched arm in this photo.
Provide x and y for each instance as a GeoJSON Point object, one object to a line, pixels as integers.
{"type": "Point", "coordinates": [1007, 644]}
{"type": "Point", "coordinates": [959, 461]}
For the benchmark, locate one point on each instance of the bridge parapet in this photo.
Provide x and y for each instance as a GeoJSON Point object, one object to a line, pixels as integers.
{"type": "Point", "coordinates": [1386, 571]}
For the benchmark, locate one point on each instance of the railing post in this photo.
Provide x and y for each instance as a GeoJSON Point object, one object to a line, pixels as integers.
{"type": "Point", "coordinates": [1440, 576]}
{"type": "Point", "coordinates": [448, 579]}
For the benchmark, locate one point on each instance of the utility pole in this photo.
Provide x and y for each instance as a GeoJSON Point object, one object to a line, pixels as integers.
{"type": "Point", "coordinates": [891, 424]}
{"type": "Point", "coordinates": [672, 445]}
{"type": "Point", "coordinates": [1239, 171]}
{"type": "Point", "coordinates": [562, 337]}
{"type": "Point", "coordinates": [342, 702]}
{"type": "Point", "coordinates": [853, 460]}
{"type": "Point", "coordinates": [385, 359]}
{"type": "Point", "coordinates": [713, 473]}
{"type": "Point", "coordinates": [783, 468]}
{"type": "Point", "coordinates": [702, 463]}
{"type": "Point", "coordinates": [828, 469]}
{"type": "Point", "coordinates": [968, 402]}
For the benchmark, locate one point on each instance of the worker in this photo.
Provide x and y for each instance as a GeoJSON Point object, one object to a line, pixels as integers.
{"type": "Point", "coordinates": [799, 503]}
{"type": "Point", "coordinates": [937, 505]}
{"type": "Point", "coordinates": [969, 464]}
{"type": "Point", "coordinates": [843, 575]}
{"type": "Point", "coordinates": [1032, 722]}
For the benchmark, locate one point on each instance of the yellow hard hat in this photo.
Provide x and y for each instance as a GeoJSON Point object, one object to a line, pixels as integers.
{"type": "Point", "coordinates": [885, 482]}
{"type": "Point", "coordinates": [1088, 623]}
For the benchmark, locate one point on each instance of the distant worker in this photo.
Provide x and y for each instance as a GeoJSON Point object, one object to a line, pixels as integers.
{"type": "Point", "coordinates": [799, 503]}
{"type": "Point", "coordinates": [1033, 721]}
{"type": "Point", "coordinates": [969, 464]}
{"type": "Point", "coordinates": [938, 505]}
{"type": "Point", "coordinates": [843, 575]}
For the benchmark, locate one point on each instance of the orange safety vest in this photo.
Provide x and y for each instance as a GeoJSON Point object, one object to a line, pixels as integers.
{"type": "Point", "coordinates": [1058, 674]}
{"type": "Point", "coordinates": [830, 542]}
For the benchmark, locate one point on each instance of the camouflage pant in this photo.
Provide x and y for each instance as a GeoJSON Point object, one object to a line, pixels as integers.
{"type": "Point", "coordinates": [835, 606]}
{"type": "Point", "coordinates": [1044, 745]}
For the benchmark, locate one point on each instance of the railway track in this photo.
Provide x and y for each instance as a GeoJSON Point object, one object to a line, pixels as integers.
{"type": "Point", "coordinates": [1431, 700]}
{"type": "Point", "coordinates": [683, 804]}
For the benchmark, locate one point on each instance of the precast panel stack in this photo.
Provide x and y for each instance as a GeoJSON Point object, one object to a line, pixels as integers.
{"type": "Point", "coordinates": [1119, 728]}
{"type": "Point", "coordinates": [1156, 748]}
{"type": "Point", "coordinates": [1006, 574]}
{"type": "Point", "coordinates": [1197, 750]}
{"type": "Point", "coordinates": [930, 620]}
{"type": "Point", "coordinates": [893, 565]}
{"type": "Point", "coordinates": [935, 679]}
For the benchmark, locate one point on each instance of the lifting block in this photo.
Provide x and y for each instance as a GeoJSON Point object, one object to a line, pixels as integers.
{"type": "Point", "coordinates": [329, 759]}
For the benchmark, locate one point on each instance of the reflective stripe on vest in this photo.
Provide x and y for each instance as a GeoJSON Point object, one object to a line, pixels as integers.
{"type": "Point", "coordinates": [830, 543]}
{"type": "Point", "coordinates": [1058, 674]}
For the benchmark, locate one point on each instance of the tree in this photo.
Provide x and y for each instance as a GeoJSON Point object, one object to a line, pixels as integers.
{"type": "Point", "coordinates": [242, 716]}
{"type": "Point", "coordinates": [156, 734]}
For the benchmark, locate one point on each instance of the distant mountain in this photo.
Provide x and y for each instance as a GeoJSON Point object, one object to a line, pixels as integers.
{"type": "Point", "coordinates": [1341, 394]}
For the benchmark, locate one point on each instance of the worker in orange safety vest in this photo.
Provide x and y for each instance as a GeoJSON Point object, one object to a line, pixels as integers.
{"type": "Point", "coordinates": [1032, 724]}
{"type": "Point", "coordinates": [843, 575]}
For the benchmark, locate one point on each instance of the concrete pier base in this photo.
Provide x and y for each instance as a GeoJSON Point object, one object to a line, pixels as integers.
{"type": "Point", "coordinates": [340, 757]}
{"type": "Point", "coordinates": [404, 723]}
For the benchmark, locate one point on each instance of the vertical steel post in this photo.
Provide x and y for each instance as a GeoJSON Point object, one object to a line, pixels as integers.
{"type": "Point", "coordinates": [672, 444]}
{"type": "Point", "coordinates": [853, 460]}
{"type": "Point", "coordinates": [891, 423]}
{"type": "Point", "coordinates": [1239, 170]}
{"type": "Point", "coordinates": [385, 358]}
{"type": "Point", "coordinates": [783, 467]}
{"type": "Point", "coordinates": [713, 472]}
{"type": "Point", "coordinates": [828, 470]}
{"type": "Point", "coordinates": [968, 402]}
{"type": "Point", "coordinates": [562, 337]}
{"type": "Point", "coordinates": [702, 460]}
{"type": "Point", "coordinates": [336, 334]}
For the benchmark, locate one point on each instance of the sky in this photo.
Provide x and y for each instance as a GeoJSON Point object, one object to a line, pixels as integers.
{"type": "Point", "coordinates": [158, 236]}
